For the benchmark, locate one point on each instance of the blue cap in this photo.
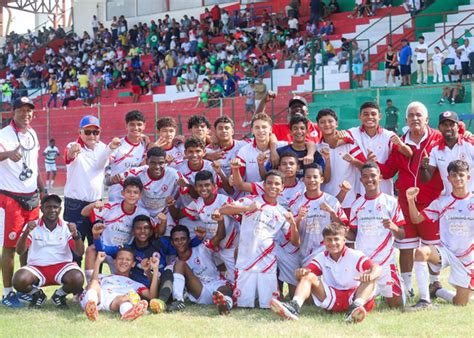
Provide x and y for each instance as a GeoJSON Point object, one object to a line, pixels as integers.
{"type": "Point", "coordinates": [89, 120]}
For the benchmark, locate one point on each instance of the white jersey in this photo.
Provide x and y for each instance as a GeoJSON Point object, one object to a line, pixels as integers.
{"type": "Point", "coordinates": [47, 247]}
{"type": "Point", "coordinates": [229, 153]}
{"type": "Point", "coordinates": [118, 223]}
{"type": "Point", "coordinates": [10, 171]}
{"type": "Point", "coordinates": [198, 210]}
{"type": "Point", "coordinates": [373, 239]}
{"type": "Point", "coordinates": [441, 155]}
{"type": "Point", "coordinates": [50, 154]}
{"type": "Point", "coordinates": [288, 195]}
{"type": "Point", "coordinates": [340, 274]}
{"type": "Point", "coordinates": [312, 226]}
{"type": "Point", "coordinates": [456, 224]}
{"type": "Point", "coordinates": [177, 153]}
{"type": "Point", "coordinates": [127, 156]}
{"type": "Point", "coordinates": [201, 262]}
{"type": "Point", "coordinates": [342, 170]}
{"type": "Point", "coordinates": [380, 145]}
{"type": "Point", "coordinates": [86, 172]}
{"type": "Point", "coordinates": [259, 231]}
{"type": "Point", "coordinates": [155, 191]}
{"type": "Point", "coordinates": [120, 285]}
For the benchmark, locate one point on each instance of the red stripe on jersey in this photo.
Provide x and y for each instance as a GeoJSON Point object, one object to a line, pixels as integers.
{"type": "Point", "coordinates": [382, 246]}
{"type": "Point", "coordinates": [314, 268]}
{"type": "Point", "coordinates": [357, 210]}
{"type": "Point", "coordinates": [126, 155]}
{"type": "Point", "coordinates": [265, 253]}
{"type": "Point", "coordinates": [467, 252]}
{"type": "Point", "coordinates": [361, 264]}
{"type": "Point", "coordinates": [187, 211]}
{"type": "Point", "coordinates": [396, 284]}
{"type": "Point", "coordinates": [270, 265]}
{"type": "Point", "coordinates": [231, 239]}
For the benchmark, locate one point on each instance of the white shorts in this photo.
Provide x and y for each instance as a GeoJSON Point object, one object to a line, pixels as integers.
{"type": "Point", "coordinates": [250, 285]}
{"type": "Point", "coordinates": [389, 283]}
{"type": "Point", "coordinates": [53, 274]}
{"type": "Point", "coordinates": [461, 270]}
{"type": "Point", "coordinates": [226, 256]}
{"type": "Point", "coordinates": [287, 263]}
{"type": "Point", "coordinates": [205, 298]}
{"type": "Point", "coordinates": [50, 167]}
{"type": "Point", "coordinates": [106, 298]}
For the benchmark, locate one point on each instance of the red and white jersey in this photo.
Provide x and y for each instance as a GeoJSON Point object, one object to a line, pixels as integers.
{"type": "Point", "coordinates": [198, 210]}
{"type": "Point", "coordinates": [248, 156]}
{"type": "Point", "coordinates": [342, 170]}
{"type": "Point", "coordinates": [120, 285]}
{"type": "Point", "coordinates": [259, 231]}
{"type": "Point", "coordinates": [10, 171]}
{"type": "Point", "coordinates": [127, 156]}
{"type": "Point", "coordinates": [229, 153]}
{"type": "Point", "coordinates": [288, 195]}
{"type": "Point", "coordinates": [46, 247]}
{"type": "Point", "coordinates": [118, 223]}
{"type": "Point", "coordinates": [340, 274]}
{"type": "Point", "coordinates": [441, 155]}
{"type": "Point", "coordinates": [373, 239]}
{"type": "Point", "coordinates": [86, 172]}
{"type": "Point", "coordinates": [312, 226]}
{"type": "Point", "coordinates": [202, 263]}
{"type": "Point", "coordinates": [380, 145]}
{"type": "Point", "coordinates": [177, 152]}
{"type": "Point", "coordinates": [456, 224]}
{"type": "Point", "coordinates": [155, 191]}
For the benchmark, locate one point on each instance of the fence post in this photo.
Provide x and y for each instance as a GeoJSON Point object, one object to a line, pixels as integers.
{"type": "Point", "coordinates": [390, 28]}
{"type": "Point", "coordinates": [48, 125]}
{"type": "Point", "coordinates": [156, 120]}
{"type": "Point", "coordinates": [233, 106]}
{"type": "Point", "coordinates": [98, 111]}
{"type": "Point", "coordinates": [221, 106]}
{"type": "Point", "coordinates": [180, 125]}
{"type": "Point", "coordinates": [313, 72]}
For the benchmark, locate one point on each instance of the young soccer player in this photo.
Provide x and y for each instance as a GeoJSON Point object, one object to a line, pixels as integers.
{"type": "Point", "coordinates": [195, 270]}
{"type": "Point", "coordinates": [347, 283]}
{"type": "Point", "coordinates": [50, 153]}
{"type": "Point", "coordinates": [49, 242]}
{"type": "Point", "coordinates": [117, 292]}
{"type": "Point", "coordinates": [263, 219]}
{"type": "Point", "coordinates": [167, 130]}
{"type": "Point", "coordinates": [376, 220]}
{"type": "Point", "coordinates": [130, 153]}
{"type": "Point", "coordinates": [200, 127]}
{"type": "Point", "coordinates": [456, 226]}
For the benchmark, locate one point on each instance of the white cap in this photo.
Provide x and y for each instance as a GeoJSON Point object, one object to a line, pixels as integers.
{"type": "Point", "coordinates": [253, 55]}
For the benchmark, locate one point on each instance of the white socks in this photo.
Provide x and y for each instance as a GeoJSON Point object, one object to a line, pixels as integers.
{"type": "Point", "coordinates": [422, 278]}
{"type": "Point", "coordinates": [358, 302]}
{"type": "Point", "coordinates": [125, 307]}
{"type": "Point", "coordinates": [6, 291]}
{"type": "Point", "coordinates": [407, 280]}
{"type": "Point", "coordinates": [91, 295]}
{"type": "Point", "coordinates": [229, 301]}
{"type": "Point", "coordinates": [60, 292]}
{"type": "Point", "coordinates": [446, 295]}
{"type": "Point", "coordinates": [178, 286]}
{"type": "Point", "coordinates": [434, 278]}
{"type": "Point", "coordinates": [298, 300]}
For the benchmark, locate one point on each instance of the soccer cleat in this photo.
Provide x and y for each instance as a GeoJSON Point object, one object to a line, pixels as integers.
{"type": "Point", "coordinates": [157, 305]}
{"type": "Point", "coordinates": [177, 305]}
{"type": "Point", "coordinates": [288, 310]}
{"type": "Point", "coordinates": [91, 310]}
{"type": "Point", "coordinates": [441, 102]}
{"type": "Point", "coordinates": [136, 311]}
{"type": "Point", "coordinates": [37, 299]}
{"type": "Point", "coordinates": [433, 288]}
{"type": "Point", "coordinates": [24, 297]}
{"type": "Point", "coordinates": [11, 300]}
{"type": "Point", "coordinates": [421, 305]}
{"type": "Point", "coordinates": [59, 301]}
{"type": "Point", "coordinates": [133, 297]}
{"type": "Point", "coordinates": [355, 314]}
{"type": "Point", "coordinates": [223, 306]}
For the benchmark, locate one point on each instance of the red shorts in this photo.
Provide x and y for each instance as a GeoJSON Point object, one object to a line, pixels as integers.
{"type": "Point", "coordinates": [427, 232]}
{"type": "Point", "coordinates": [12, 220]}
{"type": "Point", "coordinates": [343, 300]}
{"type": "Point", "coordinates": [136, 90]}
{"type": "Point", "coordinates": [51, 274]}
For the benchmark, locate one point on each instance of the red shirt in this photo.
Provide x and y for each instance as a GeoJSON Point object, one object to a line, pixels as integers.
{"type": "Point", "coordinates": [283, 133]}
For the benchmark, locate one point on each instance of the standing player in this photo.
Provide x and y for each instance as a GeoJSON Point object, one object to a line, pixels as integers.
{"type": "Point", "coordinates": [19, 185]}
{"type": "Point", "coordinates": [375, 221]}
{"type": "Point", "coordinates": [167, 129]}
{"type": "Point", "coordinates": [456, 227]}
{"type": "Point", "coordinates": [50, 153]}
{"type": "Point", "coordinates": [49, 242]}
{"type": "Point", "coordinates": [263, 219]}
{"type": "Point", "coordinates": [130, 153]}
{"type": "Point", "coordinates": [351, 291]}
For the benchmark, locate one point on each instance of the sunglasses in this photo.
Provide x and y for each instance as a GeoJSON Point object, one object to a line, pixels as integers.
{"type": "Point", "coordinates": [91, 132]}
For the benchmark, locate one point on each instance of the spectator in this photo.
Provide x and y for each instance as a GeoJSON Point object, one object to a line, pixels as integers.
{"type": "Point", "coordinates": [249, 102]}
{"type": "Point", "coordinates": [260, 91]}
{"type": "Point", "coordinates": [343, 54]}
{"type": "Point", "coordinates": [454, 94]}
{"type": "Point", "coordinates": [292, 10]}
{"type": "Point", "coordinates": [216, 19]}
{"type": "Point", "coordinates": [204, 92]}
{"type": "Point", "coordinates": [293, 25]}
{"type": "Point", "coordinates": [449, 59]}
{"type": "Point", "coordinates": [358, 60]}
{"type": "Point", "coordinates": [330, 51]}
{"type": "Point", "coordinates": [421, 50]}
{"type": "Point", "coordinates": [405, 63]}
{"type": "Point", "coordinates": [333, 7]}
{"type": "Point", "coordinates": [53, 91]}
{"type": "Point", "coordinates": [316, 10]}
{"type": "Point", "coordinates": [456, 69]}
{"type": "Point", "coordinates": [438, 58]}
{"type": "Point", "coordinates": [95, 25]}
{"type": "Point", "coordinates": [391, 117]}
{"type": "Point", "coordinates": [465, 51]}
{"type": "Point", "coordinates": [225, 19]}
{"type": "Point", "coordinates": [391, 64]}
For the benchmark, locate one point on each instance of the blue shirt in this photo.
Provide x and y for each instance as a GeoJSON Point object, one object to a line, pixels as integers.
{"type": "Point", "coordinates": [404, 54]}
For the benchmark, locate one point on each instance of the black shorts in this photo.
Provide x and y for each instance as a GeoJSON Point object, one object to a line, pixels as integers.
{"type": "Point", "coordinates": [466, 70]}
{"type": "Point", "coordinates": [405, 69]}
{"type": "Point", "coordinates": [216, 23]}
{"type": "Point", "coordinates": [388, 65]}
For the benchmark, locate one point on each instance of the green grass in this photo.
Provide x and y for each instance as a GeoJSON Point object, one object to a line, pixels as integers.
{"type": "Point", "coordinates": [203, 321]}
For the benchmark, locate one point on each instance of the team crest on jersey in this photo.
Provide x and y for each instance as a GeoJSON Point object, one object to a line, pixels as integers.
{"type": "Point", "coordinates": [470, 207]}
{"type": "Point", "coordinates": [379, 207]}
{"type": "Point", "coordinates": [237, 293]}
{"type": "Point", "coordinates": [12, 235]}
{"type": "Point", "coordinates": [164, 187]}
{"type": "Point", "coordinates": [462, 156]}
{"type": "Point", "coordinates": [197, 261]}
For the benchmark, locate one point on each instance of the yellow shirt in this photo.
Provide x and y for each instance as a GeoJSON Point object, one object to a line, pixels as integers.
{"type": "Point", "coordinates": [83, 81]}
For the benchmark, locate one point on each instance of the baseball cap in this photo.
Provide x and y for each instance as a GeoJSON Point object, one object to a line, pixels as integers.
{"type": "Point", "coordinates": [23, 101]}
{"type": "Point", "coordinates": [48, 197]}
{"type": "Point", "coordinates": [297, 98]}
{"type": "Point", "coordinates": [89, 120]}
{"type": "Point", "coordinates": [448, 115]}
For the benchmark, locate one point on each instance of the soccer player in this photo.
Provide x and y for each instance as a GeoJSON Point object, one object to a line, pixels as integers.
{"type": "Point", "coordinates": [130, 153]}
{"type": "Point", "coordinates": [375, 221]}
{"type": "Point", "coordinates": [456, 226]}
{"type": "Point", "coordinates": [347, 283]}
{"type": "Point", "coordinates": [200, 127]}
{"type": "Point", "coordinates": [167, 130]}
{"type": "Point", "coordinates": [50, 153]}
{"type": "Point", "coordinates": [49, 242]}
{"type": "Point", "coordinates": [450, 148]}
{"type": "Point", "coordinates": [117, 292]}
{"type": "Point", "coordinates": [263, 219]}
{"type": "Point", "coordinates": [195, 270]}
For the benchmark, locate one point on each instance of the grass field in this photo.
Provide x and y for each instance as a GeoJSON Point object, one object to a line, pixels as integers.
{"type": "Point", "coordinates": [203, 321]}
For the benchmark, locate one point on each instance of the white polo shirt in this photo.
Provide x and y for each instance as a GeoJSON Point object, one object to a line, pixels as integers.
{"type": "Point", "coordinates": [86, 173]}
{"type": "Point", "coordinates": [419, 55]}
{"type": "Point", "coordinates": [10, 171]}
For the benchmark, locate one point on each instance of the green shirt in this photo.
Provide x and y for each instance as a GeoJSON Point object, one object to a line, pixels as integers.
{"type": "Point", "coordinates": [391, 117]}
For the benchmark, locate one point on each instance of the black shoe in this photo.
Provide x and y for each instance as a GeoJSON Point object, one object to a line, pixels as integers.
{"type": "Point", "coordinates": [355, 314]}
{"type": "Point", "coordinates": [433, 288]}
{"type": "Point", "coordinates": [59, 301]}
{"type": "Point", "coordinates": [37, 299]}
{"type": "Point", "coordinates": [177, 305]}
{"type": "Point", "coordinates": [288, 310]}
{"type": "Point", "coordinates": [421, 305]}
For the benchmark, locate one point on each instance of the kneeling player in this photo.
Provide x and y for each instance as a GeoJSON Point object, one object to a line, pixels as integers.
{"type": "Point", "coordinates": [348, 281]}
{"type": "Point", "coordinates": [118, 292]}
{"type": "Point", "coordinates": [49, 242]}
{"type": "Point", "coordinates": [456, 227]}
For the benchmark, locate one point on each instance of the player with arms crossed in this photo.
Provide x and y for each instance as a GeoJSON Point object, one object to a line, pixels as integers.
{"type": "Point", "coordinates": [455, 213]}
